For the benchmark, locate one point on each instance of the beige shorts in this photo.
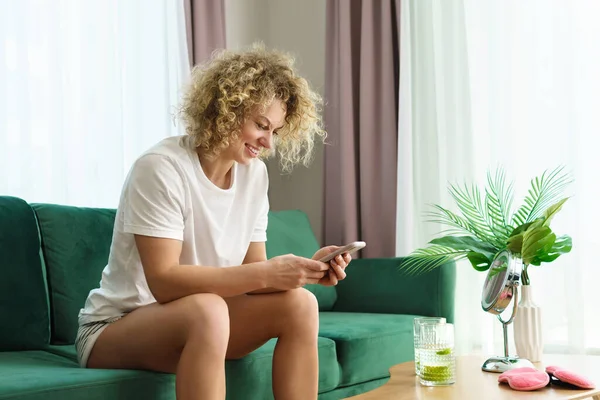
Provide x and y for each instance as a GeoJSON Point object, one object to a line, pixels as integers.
{"type": "Point", "coordinates": [87, 334]}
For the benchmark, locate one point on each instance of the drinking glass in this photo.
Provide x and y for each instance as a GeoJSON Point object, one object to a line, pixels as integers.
{"type": "Point", "coordinates": [417, 331]}
{"type": "Point", "coordinates": [437, 361]}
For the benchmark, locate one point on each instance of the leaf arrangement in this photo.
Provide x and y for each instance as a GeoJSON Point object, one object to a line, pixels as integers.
{"type": "Point", "coordinates": [486, 225]}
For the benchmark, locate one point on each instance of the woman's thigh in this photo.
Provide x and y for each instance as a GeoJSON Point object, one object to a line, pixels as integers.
{"type": "Point", "coordinates": [256, 318]}
{"type": "Point", "coordinates": [152, 337]}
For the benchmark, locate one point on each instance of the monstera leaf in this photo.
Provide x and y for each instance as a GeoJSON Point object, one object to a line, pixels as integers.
{"type": "Point", "coordinates": [562, 245]}
{"type": "Point", "coordinates": [536, 241]}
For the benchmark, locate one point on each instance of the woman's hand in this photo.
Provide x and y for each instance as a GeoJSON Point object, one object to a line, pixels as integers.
{"type": "Point", "coordinates": [291, 272]}
{"type": "Point", "coordinates": [338, 265]}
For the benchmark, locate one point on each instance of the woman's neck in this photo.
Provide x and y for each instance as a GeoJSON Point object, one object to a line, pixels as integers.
{"type": "Point", "coordinates": [217, 170]}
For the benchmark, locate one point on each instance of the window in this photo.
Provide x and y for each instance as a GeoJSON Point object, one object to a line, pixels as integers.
{"type": "Point", "coordinates": [86, 87]}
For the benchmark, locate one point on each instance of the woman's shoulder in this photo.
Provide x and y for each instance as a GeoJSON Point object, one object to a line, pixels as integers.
{"type": "Point", "coordinates": [170, 151]}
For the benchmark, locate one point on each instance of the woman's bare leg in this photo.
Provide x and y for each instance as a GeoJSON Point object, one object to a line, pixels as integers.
{"type": "Point", "coordinates": [291, 316]}
{"type": "Point", "coordinates": [188, 337]}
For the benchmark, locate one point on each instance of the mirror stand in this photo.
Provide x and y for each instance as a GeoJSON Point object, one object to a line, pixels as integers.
{"type": "Point", "coordinates": [501, 364]}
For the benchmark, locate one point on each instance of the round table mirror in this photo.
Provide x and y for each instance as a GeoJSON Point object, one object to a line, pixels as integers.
{"type": "Point", "coordinates": [500, 288]}
{"type": "Point", "coordinates": [501, 282]}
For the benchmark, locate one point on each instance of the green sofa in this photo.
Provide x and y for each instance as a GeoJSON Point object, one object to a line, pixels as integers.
{"type": "Point", "coordinates": [52, 255]}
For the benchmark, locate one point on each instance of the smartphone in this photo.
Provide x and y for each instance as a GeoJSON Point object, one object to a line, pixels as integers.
{"type": "Point", "coordinates": [349, 248]}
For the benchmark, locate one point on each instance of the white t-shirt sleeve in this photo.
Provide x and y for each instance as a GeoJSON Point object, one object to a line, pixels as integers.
{"type": "Point", "coordinates": [155, 198]}
{"type": "Point", "coordinates": [260, 229]}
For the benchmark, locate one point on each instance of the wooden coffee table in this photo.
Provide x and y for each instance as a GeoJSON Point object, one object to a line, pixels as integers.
{"type": "Point", "coordinates": [473, 383]}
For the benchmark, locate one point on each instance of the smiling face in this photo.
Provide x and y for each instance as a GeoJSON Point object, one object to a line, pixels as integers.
{"type": "Point", "coordinates": [257, 133]}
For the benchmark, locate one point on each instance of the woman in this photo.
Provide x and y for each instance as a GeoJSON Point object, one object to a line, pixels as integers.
{"type": "Point", "coordinates": [194, 204]}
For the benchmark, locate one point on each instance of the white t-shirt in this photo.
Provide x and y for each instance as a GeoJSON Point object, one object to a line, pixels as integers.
{"type": "Point", "coordinates": [166, 194]}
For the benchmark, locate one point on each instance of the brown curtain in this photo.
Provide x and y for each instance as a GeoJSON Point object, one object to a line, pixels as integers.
{"type": "Point", "coordinates": [205, 26]}
{"type": "Point", "coordinates": [361, 117]}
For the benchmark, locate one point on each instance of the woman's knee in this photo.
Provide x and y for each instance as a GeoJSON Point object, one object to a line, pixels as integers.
{"type": "Point", "coordinates": [302, 306]}
{"type": "Point", "coordinates": [206, 317]}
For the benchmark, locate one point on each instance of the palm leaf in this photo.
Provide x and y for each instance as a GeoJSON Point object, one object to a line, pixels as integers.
{"type": "Point", "coordinates": [498, 202]}
{"type": "Point", "coordinates": [456, 223]}
{"type": "Point", "coordinates": [545, 191]}
{"type": "Point", "coordinates": [470, 204]}
{"type": "Point", "coordinates": [429, 258]}
{"type": "Point", "coordinates": [467, 243]}
{"type": "Point", "coordinates": [485, 227]}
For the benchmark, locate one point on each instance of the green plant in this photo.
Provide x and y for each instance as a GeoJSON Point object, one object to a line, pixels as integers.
{"type": "Point", "coordinates": [487, 226]}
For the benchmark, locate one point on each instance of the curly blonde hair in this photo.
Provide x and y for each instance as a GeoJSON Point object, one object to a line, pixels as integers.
{"type": "Point", "coordinates": [231, 86]}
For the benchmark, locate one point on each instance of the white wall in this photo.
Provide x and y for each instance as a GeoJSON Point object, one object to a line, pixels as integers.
{"type": "Point", "coordinates": [296, 26]}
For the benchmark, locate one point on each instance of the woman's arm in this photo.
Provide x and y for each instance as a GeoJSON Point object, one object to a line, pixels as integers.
{"type": "Point", "coordinates": [168, 280]}
{"type": "Point", "coordinates": [257, 253]}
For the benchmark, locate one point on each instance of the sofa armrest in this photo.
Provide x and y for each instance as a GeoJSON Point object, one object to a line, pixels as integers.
{"type": "Point", "coordinates": [377, 285]}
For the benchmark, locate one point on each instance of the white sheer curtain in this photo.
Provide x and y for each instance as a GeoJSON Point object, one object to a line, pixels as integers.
{"type": "Point", "coordinates": [434, 116]}
{"type": "Point", "coordinates": [85, 87]}
{"type": "Point", "coordinates": [435, 143]}
{"type": "Point", "coordinates": [532, 76]}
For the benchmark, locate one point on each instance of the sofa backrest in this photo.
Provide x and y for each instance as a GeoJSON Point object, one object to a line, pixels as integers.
{"type": "Point", "coordinates": [24, 309]}
{"type": "Point", "coordinates": [75, 243]}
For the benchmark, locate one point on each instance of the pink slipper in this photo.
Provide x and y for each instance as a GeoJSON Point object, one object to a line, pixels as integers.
{"type": "Point", "coordinates": [524, 379]}
{"type": "Point", "coordinates": [559, 375]}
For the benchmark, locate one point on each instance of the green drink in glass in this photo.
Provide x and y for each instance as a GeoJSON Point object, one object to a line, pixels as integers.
{"type": "Point", "coordinates": [437, 361]}
{"type": "Point", "coordinates": [417, 322]}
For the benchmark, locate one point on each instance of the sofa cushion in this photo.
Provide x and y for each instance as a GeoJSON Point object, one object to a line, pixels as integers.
{"type": "Point", "coordinates": [367, 345]}
{"type": "Point", "coordinates": [248, 378]}
{"type": "Point", "coordinates": [39, 375]}
{"type": "Point", "coordinates": [24, 315]}
{"type": "Point", "coordinates": [288, 232]}
{"type": "Point", "coordinates": [76, 243]}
